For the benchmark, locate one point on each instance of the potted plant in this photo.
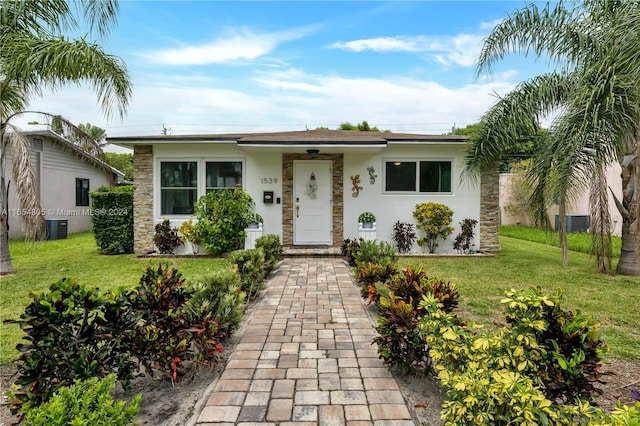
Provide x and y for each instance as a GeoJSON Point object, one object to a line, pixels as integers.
{"type": "Point", "coordinates": [367, 219]}
{"type": "Point", "coordinates": [253, 220]}
{"type": "Point", "coordinates": [190, 233]}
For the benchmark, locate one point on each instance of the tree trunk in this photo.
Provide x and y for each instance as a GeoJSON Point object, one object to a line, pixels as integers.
{"type": "Point", "coordinates": [628, 263]}
{"type": "Point", "coordinates": [562, 228]}
{"type": "Point", "coordinates": [6, 266]}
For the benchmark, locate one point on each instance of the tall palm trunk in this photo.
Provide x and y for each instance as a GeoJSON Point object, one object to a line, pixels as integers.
{"type": "Point", "coordinates": [628, 263]}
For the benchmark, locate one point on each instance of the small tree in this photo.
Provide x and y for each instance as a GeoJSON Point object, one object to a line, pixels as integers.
{"type": "Point", "coordinates": [222, 218]}
{"type": "Point", "coordinates": [434, 220]}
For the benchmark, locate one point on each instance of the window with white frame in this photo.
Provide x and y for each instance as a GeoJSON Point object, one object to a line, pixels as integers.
{"type": "Point", "coordinates": [178, 186]}
{"type": "Point", "coordinates": [418, 176]}
{"type": "Point", "coordinates": [223, 174]}
{"type": "Point", "coordinates": [183, 182]}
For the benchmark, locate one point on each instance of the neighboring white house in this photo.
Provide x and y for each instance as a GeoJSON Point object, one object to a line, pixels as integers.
{"type": "Point", "coordinates": [65, 175]}
{"type": "Point", "coordinates": [309, 186]}
{"type": "Point", "coordinates": [579, 208]}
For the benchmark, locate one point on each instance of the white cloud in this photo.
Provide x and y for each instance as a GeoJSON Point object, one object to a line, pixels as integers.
{"type": "Point", "coordinates": [461, 49]}
{"type": "Point", "coordinates": [238, 45]}
{"type": "Point", "coordinates": [284, 100]}
{"type": "Point", "coordinates": [381, 44]}
{"type": "Point", "coordinates": [491, 24]}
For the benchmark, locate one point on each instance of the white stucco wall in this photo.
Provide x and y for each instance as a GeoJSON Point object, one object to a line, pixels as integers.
{"type": "Point", "coordinates": [389, 208]}
{"type": "Point", "coordinates": [58, 173]}
{"type": "Point", "coordinates": [262, 171]}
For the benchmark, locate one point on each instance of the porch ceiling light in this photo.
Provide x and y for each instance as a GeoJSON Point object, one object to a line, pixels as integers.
{"type": "Point", "coordinates": [397, 163]}
{"type": "Point", "coordinates": [313, 153]}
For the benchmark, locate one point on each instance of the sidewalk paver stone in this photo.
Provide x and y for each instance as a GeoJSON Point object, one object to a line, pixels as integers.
{"type": "Point", "coordinates": [306, 357]}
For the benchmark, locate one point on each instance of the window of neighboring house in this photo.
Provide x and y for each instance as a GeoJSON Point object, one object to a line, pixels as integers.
{"type": "Point", "coordinates": [418, 176]}
{"type": "Point", "coordinates": [178, 186]}
{"type": "Point", "coordinates": [82, 192]}
{"type": "Point", "coordinates": [223, 174]}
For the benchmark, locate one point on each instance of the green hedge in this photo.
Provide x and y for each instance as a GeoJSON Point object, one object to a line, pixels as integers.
{"type": "Point", "coordinates": [112, 219]}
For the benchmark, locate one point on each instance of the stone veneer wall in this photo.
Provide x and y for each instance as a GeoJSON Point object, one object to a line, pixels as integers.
{"type": "Point", "coordinates": [490, 210]}
{"type": "Point", "coordinates": [143, 199]}
{"type": "Point", "coordinates": [287, 196]}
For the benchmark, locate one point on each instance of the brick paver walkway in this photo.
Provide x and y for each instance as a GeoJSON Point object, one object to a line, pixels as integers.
{"type": "Point", "coordinates": [306, 358]}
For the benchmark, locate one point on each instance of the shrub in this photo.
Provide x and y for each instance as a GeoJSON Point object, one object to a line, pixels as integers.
{"type": "Point", "coordinates": [87, 402]}
{"type": "Point", "coordinates": [222, 218]}
{"type": "Point", "coordinates": [368, 274]}
{"type": "Point", "coordinates": [69, 339]}
{"type": "Point", "coordinates": [376, 252]}
{"type": "Point", "coordinates": [412, 283]}
{"type": "Point", "coordinates": [404, 236]}
{"type": "Point", "coordinates": [350, 249]}
{"type": "Point", "coordinates": [163, 336]}
{"type": "Point", "coordinates": [529, 371]}
{"type": "Point", "coordinates": [462, 242]}
{"type": "Point", "coordinates": [166, 238]}
{"type": "Point", "coordinates": [400, 341]}
{"type": "Point", "coordinates": [112, 219]}
{"type": "Point", "coordinates": [219, 293]}
{"type": "Point", "coordinates": [434, 220]}
{"type": "Point", "coordinates": [570, 356]}
{"type": "Point", "coordinates": [250, 265]}
{"type": "Point", "coordinates": [270, 244]}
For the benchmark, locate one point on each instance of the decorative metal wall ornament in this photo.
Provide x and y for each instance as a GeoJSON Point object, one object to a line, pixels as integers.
{"type": "Point", "coordinates": [312, 186]}
{"type": "Point", "coordinates": [355, 181]}
{"type": "Point", "coordinates": [372, 175]}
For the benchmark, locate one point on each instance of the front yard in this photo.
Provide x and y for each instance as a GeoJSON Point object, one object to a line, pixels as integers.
{"type": "Point", "coordinates": [520, 264]}
{"type": "Point", "coordinates": [40, 264]}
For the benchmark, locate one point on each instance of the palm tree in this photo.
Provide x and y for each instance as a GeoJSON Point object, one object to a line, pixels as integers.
{"type": "Point", "coordinates": [34, 54]}
{"type": "Point", "coordinates": [595, 94]}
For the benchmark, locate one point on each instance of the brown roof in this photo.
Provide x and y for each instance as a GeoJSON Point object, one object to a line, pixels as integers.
{"type": "Point", "coordinates": [317, 137]}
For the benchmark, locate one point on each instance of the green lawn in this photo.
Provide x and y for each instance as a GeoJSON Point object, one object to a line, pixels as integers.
{"type": "Point", "coordinates": [577, 241]}
{"type": "Point", "coordinates": [611, 299]}
{"type": "Point", "coordinates": [40, 264]}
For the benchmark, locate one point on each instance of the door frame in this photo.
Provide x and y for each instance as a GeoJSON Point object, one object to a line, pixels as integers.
{"type": "Point", "coordinates": [324, 163]}
{"type": "Point", "coordinates": [288, 204]}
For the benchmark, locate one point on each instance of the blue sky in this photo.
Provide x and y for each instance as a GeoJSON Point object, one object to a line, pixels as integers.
{"type": "Point", "coordinates": [213, 66]}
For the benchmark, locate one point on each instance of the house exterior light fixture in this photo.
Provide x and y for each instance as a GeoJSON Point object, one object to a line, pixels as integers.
{"type": "Point", "coordinates": [313, 153]}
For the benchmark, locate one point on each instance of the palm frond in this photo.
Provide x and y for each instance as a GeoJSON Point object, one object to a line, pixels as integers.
{"type": "Point", "coordinates": [53, 62]}
{"type": "Point", "coordinates": [101, 15]}
{"type": "Point", "coordinates": [514, 118]}
{"type": "Point", "coordinates": [554, 31]}
{"type": "Point", "coordinates": [26, 189]}
{"type": "Point", "coordinates": [13, 98]}
{"type": "Point", "coordinates": [36, 16]}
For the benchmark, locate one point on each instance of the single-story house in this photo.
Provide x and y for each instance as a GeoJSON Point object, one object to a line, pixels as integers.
{"type": "Point", "coordinates": [65, 175]}
{"type": "Point", "coordinates": [310, 186]}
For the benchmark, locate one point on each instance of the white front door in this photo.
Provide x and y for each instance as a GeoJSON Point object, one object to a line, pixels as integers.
{"type": "Point", "coordinates": [312, 202]}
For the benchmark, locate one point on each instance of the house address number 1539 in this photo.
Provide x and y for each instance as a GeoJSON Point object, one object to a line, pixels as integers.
{"type": "Point", "coordinates": [268, 180]}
